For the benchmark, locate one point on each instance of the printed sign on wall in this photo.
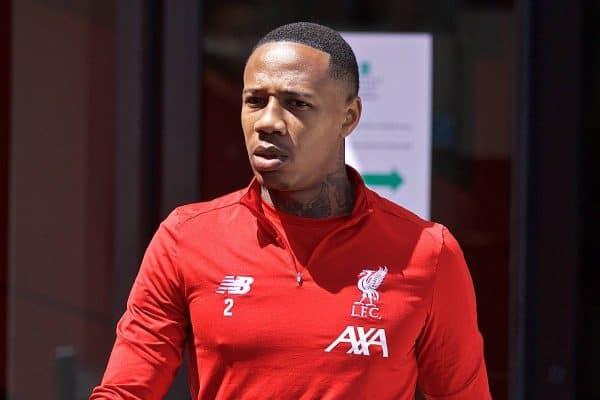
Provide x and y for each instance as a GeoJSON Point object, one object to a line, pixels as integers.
{"type": "Point", "coordinates": [391, 146]}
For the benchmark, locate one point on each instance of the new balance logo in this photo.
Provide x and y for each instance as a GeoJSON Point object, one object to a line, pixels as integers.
{"type": "Point", "coordinates": [360, 340]}
{"type": "Point", "coordinates": [235, 284]}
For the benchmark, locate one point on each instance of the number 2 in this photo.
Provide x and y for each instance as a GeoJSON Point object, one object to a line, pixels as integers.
{"type": "Point", "coordinates": [228, 306]}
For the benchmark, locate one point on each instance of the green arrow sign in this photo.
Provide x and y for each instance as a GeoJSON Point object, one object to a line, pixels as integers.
{"type": "Point", "coordinates": [392, 180]}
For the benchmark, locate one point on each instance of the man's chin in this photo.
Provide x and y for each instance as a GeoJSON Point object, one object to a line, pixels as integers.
{"type": "Point", "coordinates": [273, 180]}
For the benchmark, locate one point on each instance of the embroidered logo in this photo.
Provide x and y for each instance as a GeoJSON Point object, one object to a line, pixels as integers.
{"type": "Point", "coordinates": [235, 284]}
{"type": "Point", "coordinates": [368, 283]}
{"type": "Point", "coordinates": [360, 340]}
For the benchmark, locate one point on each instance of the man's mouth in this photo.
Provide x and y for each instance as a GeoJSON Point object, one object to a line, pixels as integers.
{"type": "Point", "coordinates": [268, 158]}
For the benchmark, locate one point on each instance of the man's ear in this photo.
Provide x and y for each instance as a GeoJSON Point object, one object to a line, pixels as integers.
{"type": "Point", "coordinates": [351, 115]}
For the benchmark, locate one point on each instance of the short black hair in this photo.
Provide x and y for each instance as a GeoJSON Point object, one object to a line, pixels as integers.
{"type": "Point", "coordinates": [342, 61]}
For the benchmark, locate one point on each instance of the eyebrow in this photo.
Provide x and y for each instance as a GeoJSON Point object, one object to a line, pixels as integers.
{"type": "Point", "coordinates": [285, 92]}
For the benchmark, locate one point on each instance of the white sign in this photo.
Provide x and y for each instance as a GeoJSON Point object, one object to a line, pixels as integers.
{"type": "Point", "coordinates": [391, 146]}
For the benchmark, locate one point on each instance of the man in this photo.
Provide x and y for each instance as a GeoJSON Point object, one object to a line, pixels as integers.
{"type": "Point", "coordinates": [305, 285]}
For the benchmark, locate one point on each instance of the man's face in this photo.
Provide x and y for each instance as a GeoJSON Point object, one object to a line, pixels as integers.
{"type": "Point", "coordinates": [294, 116]}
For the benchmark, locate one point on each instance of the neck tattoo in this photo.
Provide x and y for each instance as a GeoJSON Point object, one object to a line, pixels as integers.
{"type": "Point", "coordinates": [334, 198]}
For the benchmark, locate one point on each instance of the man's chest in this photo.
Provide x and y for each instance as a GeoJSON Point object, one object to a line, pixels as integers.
{"type": "Point", "coordinates": [246, 304]}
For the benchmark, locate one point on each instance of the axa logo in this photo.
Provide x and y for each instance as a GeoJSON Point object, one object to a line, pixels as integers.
{"type": "Point", "coordinates": [360, 340]}
{"type": "Point", "coordinates": [235, 284]}
{"type": "Point", "coordinates": [368, 283]}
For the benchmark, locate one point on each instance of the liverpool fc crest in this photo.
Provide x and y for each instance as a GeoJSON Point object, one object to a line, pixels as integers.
{"type": "Point", "coordinates": [368, 283]}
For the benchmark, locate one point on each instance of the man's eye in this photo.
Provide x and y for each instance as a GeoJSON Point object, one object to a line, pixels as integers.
{"type": "Point", "coordinates": [299, 104]}
{"type": "Point", "coordinates": [254, 101]}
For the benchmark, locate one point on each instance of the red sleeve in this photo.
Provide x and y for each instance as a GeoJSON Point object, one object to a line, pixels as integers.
{"type": "Point", "coordinates": [152, 331]}
{"type": "Point", "coordinates": [450, 347]}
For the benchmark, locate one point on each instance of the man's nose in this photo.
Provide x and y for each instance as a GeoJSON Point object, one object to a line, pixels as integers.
{"type": "Point", "coordinates": [271, 119]}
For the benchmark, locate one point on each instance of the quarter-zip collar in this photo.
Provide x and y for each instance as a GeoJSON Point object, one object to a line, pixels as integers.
{"type": "Point", "coordinates": [362, 208]}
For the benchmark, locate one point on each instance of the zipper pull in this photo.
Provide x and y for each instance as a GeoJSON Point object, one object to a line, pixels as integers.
{"type": "Point", "coordinates": [299, 278]}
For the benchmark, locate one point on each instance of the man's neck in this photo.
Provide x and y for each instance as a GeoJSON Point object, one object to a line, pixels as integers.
{"type": "Point", "coordinates": [333, 197]}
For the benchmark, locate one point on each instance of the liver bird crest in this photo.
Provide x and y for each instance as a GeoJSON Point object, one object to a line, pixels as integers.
{"type": "Point", "coordinates": [368, 283]}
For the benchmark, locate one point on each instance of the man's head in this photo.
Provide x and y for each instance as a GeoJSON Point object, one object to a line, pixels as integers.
{"type": "Point", "coordinates": [342, 61]}
{"type": "Point", "coordinates": [299, 103]}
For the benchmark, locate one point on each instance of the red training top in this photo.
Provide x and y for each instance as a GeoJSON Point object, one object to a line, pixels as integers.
{"type": "Point", "coordinates": [277, 306]}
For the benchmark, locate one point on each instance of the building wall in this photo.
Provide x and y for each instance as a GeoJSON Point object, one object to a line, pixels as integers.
{"type": "Point", "coordinates": [60, 194]}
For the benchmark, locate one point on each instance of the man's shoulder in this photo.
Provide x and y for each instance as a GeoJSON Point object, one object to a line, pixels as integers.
{"type": "Point", "coordinates": [406, 219]}
{"type": "Point", "coordinates": [213, 208]}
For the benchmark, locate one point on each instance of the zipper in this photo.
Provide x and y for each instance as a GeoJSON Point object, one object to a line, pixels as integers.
{"type": "Point", "coordinates": [280, 241]}
{"type": "Point", "coordinates": [283, 243]}
{"type": "Point", "coordinates": [299, 278]}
